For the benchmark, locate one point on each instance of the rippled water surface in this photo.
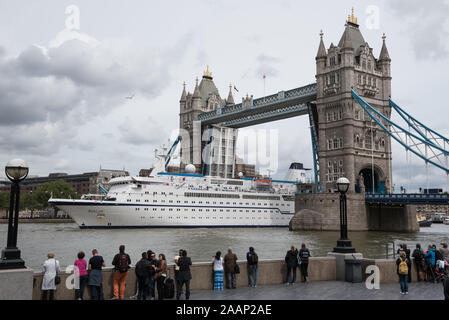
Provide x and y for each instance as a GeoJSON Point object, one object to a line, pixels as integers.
{"type": "Point", "coordinates": [66, 239]}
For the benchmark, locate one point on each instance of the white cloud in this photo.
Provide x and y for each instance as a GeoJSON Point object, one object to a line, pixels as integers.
{"type": "Point", "coordinates": [47, 95]}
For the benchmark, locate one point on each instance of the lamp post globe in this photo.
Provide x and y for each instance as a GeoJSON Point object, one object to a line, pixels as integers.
{"type": "Point", "coordinates": [16, 170]}
{"type": "Point", "coordinates": [343, 185]}
{"type": "Point", "coordinates": [344, 245]}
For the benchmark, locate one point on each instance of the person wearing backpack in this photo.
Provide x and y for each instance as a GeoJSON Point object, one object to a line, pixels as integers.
{"type": "Point", "coordinates": [143, 270]}
{"type": "Point", "coordinates": [121, 263]}
{"type": "Point", "coordinates": [407, 255]}
{"type": "Point", "coordinates": [253, 267]}
{"type": "Point", "coordinates": [403, 265]}
{"type": "Point", "coordinates": [304, 255]}
{"type": "Point", "coordinates": [418, 256]}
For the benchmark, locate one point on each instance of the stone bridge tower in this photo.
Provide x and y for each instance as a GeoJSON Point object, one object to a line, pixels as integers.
{"type": "Point", "coordinates": [349, 143]}
{"type": "Point", "coordinates": [205, 98]}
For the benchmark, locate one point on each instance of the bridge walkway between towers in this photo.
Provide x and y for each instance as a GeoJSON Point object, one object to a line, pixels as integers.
{"type": "Point", "coordinates": [403, 198]}
{"type": "Point", "coordinates": [282, 105]}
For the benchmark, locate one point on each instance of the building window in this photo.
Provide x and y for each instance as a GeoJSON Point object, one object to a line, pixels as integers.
{"type": "Point", "coordinates": [335, 144]}
{"type": "Point", "coordinates": [368, 144]}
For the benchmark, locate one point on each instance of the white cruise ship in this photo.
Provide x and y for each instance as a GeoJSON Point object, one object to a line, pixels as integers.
{"type": "Point", "coordinates": [173, 200]}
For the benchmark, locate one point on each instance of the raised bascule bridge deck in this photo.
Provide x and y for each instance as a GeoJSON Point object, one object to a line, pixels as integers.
{"type": "Point", "coordinates": [284, 104]}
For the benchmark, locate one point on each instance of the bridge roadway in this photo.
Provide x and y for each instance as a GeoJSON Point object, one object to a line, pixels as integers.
{"type": "Point", "coordinates": [282, 105]}
{"type": "Point", "coordinates": [404, 198]}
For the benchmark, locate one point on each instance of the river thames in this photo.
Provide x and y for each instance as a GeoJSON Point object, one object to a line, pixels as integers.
{"type": "Point", "coordinates": [35, 240]}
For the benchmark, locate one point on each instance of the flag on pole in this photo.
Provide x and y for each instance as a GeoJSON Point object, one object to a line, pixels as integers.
{"type": "Point", "coordinates": [235, 89]}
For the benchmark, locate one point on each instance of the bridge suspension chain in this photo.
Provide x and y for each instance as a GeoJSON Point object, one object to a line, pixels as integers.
{"type": "Point", "coordinates": [426, 143]}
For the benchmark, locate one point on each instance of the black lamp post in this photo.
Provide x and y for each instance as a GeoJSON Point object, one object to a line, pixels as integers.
{"type": "Point", "coordinates": [344, 245]}
{"type": "Point", "coordinates": [16, 170]}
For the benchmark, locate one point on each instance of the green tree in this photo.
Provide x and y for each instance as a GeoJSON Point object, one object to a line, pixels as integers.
{"type": "Point", "coordinates": [58, 189]}
{"type": "Point", "coordinates": [4, 202]}
{"type": "Point", "coordinates": [29, 201]}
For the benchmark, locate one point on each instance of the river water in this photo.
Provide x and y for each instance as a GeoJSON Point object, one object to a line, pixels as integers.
{"type": "Point", "coordinates": [35, 240]}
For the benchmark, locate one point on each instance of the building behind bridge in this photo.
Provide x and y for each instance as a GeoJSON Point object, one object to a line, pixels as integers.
{"type": "Point", "coordinates": [83, 183]}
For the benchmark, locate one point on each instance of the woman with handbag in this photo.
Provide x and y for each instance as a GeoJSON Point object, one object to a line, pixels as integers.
{"type": "Point", "coordinates": [50, 278]}
{"type": "Point", "coordinates": [231, 269]}
{"type": "Point", "coordinates": [160, 276]}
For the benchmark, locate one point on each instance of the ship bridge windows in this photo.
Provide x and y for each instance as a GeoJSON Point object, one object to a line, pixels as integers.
{"type": "Point", "coordinates": [235, 182]}
{"type": "Point", "coordinates": [211, 195]}
{"type": "Point", "coordinates": [257, 197]}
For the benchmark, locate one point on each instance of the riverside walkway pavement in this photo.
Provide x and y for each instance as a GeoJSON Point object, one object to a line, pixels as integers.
{"type": "Point", "coordinates": [324, 290]}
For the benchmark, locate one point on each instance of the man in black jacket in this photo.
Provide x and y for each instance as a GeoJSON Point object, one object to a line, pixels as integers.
{"type": "Point", "coordinates": [184, 275]}
{"type": "Point", "coordinates": [154, 263]}
{"type": "Point", "coordinates": [304, 255]}
{"type": "Point", "coordinates": [143, 271]}
{"type": "Point", "coordinates": [252, 261]}
{"type": "Point", "coordinates": [291, 259]}
{"type": "Point", "coordinates": [418, 256]}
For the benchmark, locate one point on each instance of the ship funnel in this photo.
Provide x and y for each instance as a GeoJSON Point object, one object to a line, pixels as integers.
{"type": "Point", "coordinates": [297, 173]}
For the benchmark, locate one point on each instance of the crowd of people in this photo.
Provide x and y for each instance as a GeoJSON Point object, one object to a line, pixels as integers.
{"type": "Point", "coordinates": [151, 273]}
{"type": "Point", "coordinates": [431, 265]}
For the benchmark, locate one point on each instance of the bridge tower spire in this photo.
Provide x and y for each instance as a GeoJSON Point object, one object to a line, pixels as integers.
{"type": "Point", "coordinates": [348, 144]}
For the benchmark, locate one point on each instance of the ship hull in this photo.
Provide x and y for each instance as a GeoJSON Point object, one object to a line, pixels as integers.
{"type": "Point", "coordinates": [95, 215]}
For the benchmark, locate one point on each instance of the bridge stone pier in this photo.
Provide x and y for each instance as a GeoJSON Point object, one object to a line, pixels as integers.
{"type": "Point", "coordinates": [320, 212]}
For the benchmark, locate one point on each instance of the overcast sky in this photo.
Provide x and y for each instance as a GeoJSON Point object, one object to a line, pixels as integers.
{"type": "Point", "coordinates": [63, 89]}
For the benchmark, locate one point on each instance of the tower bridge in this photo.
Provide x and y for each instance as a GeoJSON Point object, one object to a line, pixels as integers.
{"type": "Point", "coordinates": [349, 109]}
